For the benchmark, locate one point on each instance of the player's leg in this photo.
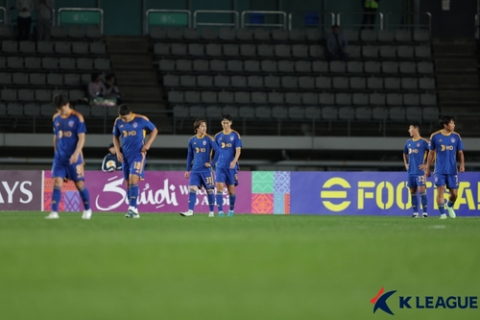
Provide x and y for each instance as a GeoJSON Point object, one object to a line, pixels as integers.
{"type": "Point", "coordinates": [220, 185]}
{"type": "Point", "coordinates": [440, 184]}
{"type": "Point", "coordinates": [194, 181]}
{"type": "Point", "coordinates": [77, 174]}
{"type": "Point", "coordinates": [59, 174]}
{"type": "Point", "coordinates": [412, 185]}
{"type": "Point", "coordinates": [423, 198]}
{"type": "Point", "coordinates": [232, 181]}
{"type": "Point", "coordinates": [452, 185]}
{"type": "Point", "coordinates": [133, 180]}
{"type": "Point", "coordinates": [209, 185]}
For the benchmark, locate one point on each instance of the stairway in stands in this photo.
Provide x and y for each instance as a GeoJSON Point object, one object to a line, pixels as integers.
{"type": "Point", "coordinates": [132, 63]}
{"type": "Point", "coordinates": [458, 81]}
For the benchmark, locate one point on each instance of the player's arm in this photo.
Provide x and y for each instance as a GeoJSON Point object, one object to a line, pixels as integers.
{"type": "Point", "coordinates": [430, 156]}
{"type": "Point", "coordinates": [151, 137]}
{"type": "Point", "coordinates": [189, 161]}
{"type": "Point", "coordinates": [462, 160]}
{"type": "Point", "coordinates": [54, 143]}
{"type": "Point", "coordinates": [116, 144]}
{"type": "Point", "coordinates": [78, 149]}
{"type": "Point", "coordinates": [405, 160]}
{"type": "Point", "coordinates": [238, 151]}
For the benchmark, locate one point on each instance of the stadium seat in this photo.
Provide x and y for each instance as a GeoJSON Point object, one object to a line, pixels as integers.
{"type": "Point", "coordinates": [426, 83]}
{"type": "Point", "coordinates": [213, 112]}
{"type": "Point", "coordinates": [325, 98]}
{"type": "Point", "coordinates": [394, 99]}
{"type": "Point", "coordinates": [405, 52]}
{"type": "Point", "coordinates": [188, 81]}
{"type": "Point", "coordinates": [244, 34]}
{"type": "Point", "coordinates": [47, 110]}
{"type": "Point", "coordinates": [313, 112]}
{"type": "Point", "coordinates": [166, 65]}
{"type": "Point", "coordinates": [360, 99]}
{"type": "Point", "coordinates": [282, 51]}
{"type": "Point", "coordinates": [171, 80]}
{"type": "Point", "coordinates": [368, 35]}
{"type": "Point", "coordinates": [392, 83]}
{"type": "Point", "coordinates": [337, 66]}
{"type": "Point", "coordinates": [261, 34]}
{"type": "Point", "coordinates": [213, 50]}
{"type": "Point", "coordinates": [209, 34]}
{"type": "Point", "coordinates": [421, 35]}
{"type": "Point", "coordinates": [55, 79]}
{"type": "Point", "coordinates": [221, 81]}
{"type": "Point", "coordinates": [314, 35]}
{"type": "Point", "coordinates": [180, 111]}
{"type": "Point", "coordinates": [43, 95]}
{"type": "Point", "coordinates": [226, 34]}
{"type": "Point", "coordinates": [158, 33]}
{"type": "Point", "coordinates": [385, 36]}
{"type": "Point", "coordinates": [411, 99]}
{"type": "Point", "coordinates": [372, 67]}
{"type": "Point", "coordinates": [317, 51]}
{"type": "Point", "coordinates": [231, 50]}
{"type": "Point", "coordinates": [390, 67]}
{"type": "Point", "coordinates": [14, 109]}
{"type": "Point", "coordinates": [363, 113]}
{"type": "Point", "coordinates": [184, 65]}
{"type": "Point", "coordinates": [340, 82]}
{"type": "Point", "coordinates": [351, 34]}
{"type": "Point", "coordinates": [388, 52]}
{"type": "Point", "coordinates": [9, 94]}
{"type": "Point", "coordinates": [396, 113]}
{"type": "Point", "coordinates": [346, 113]}
{"type": "Point", "coordinates": [310, 98]}
{"type": "Point", "coordinates": [5, 78]}
{"type": "Point", "coordinates": [280, 35]}
{"type": "Point", "coordinates": [296, 35]}
{"type": "Point", "coordinates": [235, 65]}
{"type": "Point", "coordinates": [15, 62]}
{"type": "Point", "coordinates": [343, 99]}
{"type": "Point", "coordinates": [430, 113]}
{"type": "Point", "coordinates": [241, 97]}
{"type": "Point", "coordinates": [225, 97]}
{"type": "Point", "coordinates": [402, 35]}
{"type": "Point", "coordinates": [62, 47]}
{"type": "Point", "coordinates": [3, 110]}
{"type": "Point", "coordinates": [377, 99]}
{"type": "Point", "coordinates": [300, 51]}
{"type": "Point", "coordinates": [263, 112]}
{"type": "Point", "coordinates": [413, 114]}
{"type": "Point", "coordinates": [320, 66]}
{"type": "Point", "coordinates": [238, 81]}
{"type": "Point", "coordinates": [265, 50]}
{"type": "Point", "coordinates": [98, 48]}
{"type": "Point", "coordinates": [26, 47]}
{"type": "Point", "coordinates": [374, 83]}
{"type": "Point", "coordinates": [37, 79]}
{"type": "Point", "coordinates": [251, 66]}
{"type": "Point", "coordinates": [370, 51]}
{"type": "Point", "coordinates": [45, 47]}
{"type": "Point", "coordinates": [306, 82]}
{"type": "Point", "coordinates": [279, 112]}
{"type": "Point", "coordinates": [259, 97]}
{"type": "Point", "coordinates": [67, 63]}
{"type": "Point", "coordinates": [354, 51]}
{"type": "Point", "coordinates": [379, 113]}
{"type": "Point", "coordinates": [33, 63]}
{"type": "Point", "coordinates": [191, 34]}
{"type": "Point", "coordinates": [6, 31]}
{"type": "Point", "coordinates": [409, 83]}
{"type": "Point", "coordinates": [425, 67]}
{"type": "Point", "coordinates": [407, 67]}
{"type": "Point", "coordinates": [286, 66]}
{"type": "Point", "coordinates": [72, 79]}
{"type": "Point", "coordinates": [275, 98]}
{"type": "Point", "coordinates": [192, 96]}
{"type": "Point", "coordinates": [101, 64]}
{"type": "Point", "coordinates": [423, 52]}
{"type": "Point", "coordinates": [76, 94]}
{"type": "Point", "coordinates": [293, 98]}
{"type": "Point", "coordinates": [272, 81]}
{"type": "Point", "coordinates": [358, 83]}
{"type": "Point", "coordinates": [80, 48]}
{"type": "Point", "coordinates": [178, 49]}
{"type": "Point", "coordinates": [289, 82]}
{"type": "Point", "coordinates": [329, 113]}
{"type": "Point", "coordinates": [10, 46]}
{"type": "Point", "coordinates": [205, 81]}
{"type": "Point", "coordinates": [428, 99]}
{"type": "Point", "coordinates": [248, 50]}
{"type": "Point", "coordinates": [175, 97]}
{"type": "Point", "coordinates": [174, 33]}
{"type": "Point", "coordinates": [296, 112]}
{"type": "Point", "coordinates": [323, 82]}
{"type": "Point", "coordinates": [303, 66]}
{"type": "Point", "coordinates": [246, 112]}
{"type": "Point", "coordinates": [201, 65]}
{"type": "Point", "coordinates": [75, 32]}
{"type": "Point", "coordinates": [31, 110]}
{"type": "Point", "coordinates": [231, 110]}
{"type": "Point", "coordinates": [218, 65]}
{"type": "Point", "coordinates": [355, 67]}
{"type": "Point", "coordinates": [82, 64]}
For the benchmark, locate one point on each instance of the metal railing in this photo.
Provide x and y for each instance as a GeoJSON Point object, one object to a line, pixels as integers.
{"type": "Point", "coordinates": [282, 14]}
{"type": "Point", "coordinates": [340, 14]}
{"type": "Point", "coordinates": [413, 20]}
{"type": "Point", "coordinates": [80, 10]}
{"type": "Point", "coordinates": [320, 14]}
{"type": "Point", "coordinates": [150, 11]}
{"type": "Point", "coordinates": [4, 15]}
{"type": "Point", "coordinates": [218, 24]}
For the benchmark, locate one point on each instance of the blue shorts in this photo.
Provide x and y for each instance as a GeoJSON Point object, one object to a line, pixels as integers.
{"type": "Point", "coordinates": [227, 176]}
{"type": "Point", "coordinates": [204, 179]}
{"type": "Point", "coordinates": [450, 180]}
{"type": "Point", "coordinates": [65, 170]}
{"type": "Point", "coordinates": [135, 165]}
{"type": "Point", "coordinates": [414, 181]}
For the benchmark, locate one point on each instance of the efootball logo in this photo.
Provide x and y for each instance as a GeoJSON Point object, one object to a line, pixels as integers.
{"type": "Point", "coordinates": [380, 301]}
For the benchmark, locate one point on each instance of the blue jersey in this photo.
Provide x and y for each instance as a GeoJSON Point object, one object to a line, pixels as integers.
{"type": "Point", "coordinates": [417, 151]}
{"type": "Point", "coordinates": [228, 144]}
{"type": "Point", "coordinates": [446, 147]}
{"type": "Point", "coordinates": [66, 129]}
{"type": "Point", "coordinates": [200, 152]}
{"type": "Point", "coordinates": [132, 134]}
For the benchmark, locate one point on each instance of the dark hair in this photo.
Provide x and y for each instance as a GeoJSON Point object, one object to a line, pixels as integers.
{"type": "Point", "coordinates": [226, 117]}
{"type": "Point", "coordinates": [415, 125]}
{"type": "Point", "coordinates": [109, 76]}
{"type": "Point", "coordinates": [335, 26]}
{"type": "Point", "coordinates": [123, 110]}
{"type": "Point", "coordinates": [94, 76]}
{"type": "Point", "coordinates": [445, 120]}
{"type": "Point", "coordinates": [197, 124]}
{"type": "Point", "coordinates": [59, 100]}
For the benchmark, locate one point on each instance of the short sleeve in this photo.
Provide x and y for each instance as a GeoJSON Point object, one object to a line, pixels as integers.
{"type": "Point", "coordinates": [115, 130]}
{"type": "Point", "coordinates": [149, 125]}
{"type": "Point", "coordinates": [431, 144]}
{"type": "Point", "coordinates": [238, 141]}
{"type": "Point", "coordinates": [405, 149]}
{"type": "Point", "coordinates": [460, 145]}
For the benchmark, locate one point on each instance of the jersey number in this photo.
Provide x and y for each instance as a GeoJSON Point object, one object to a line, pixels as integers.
{"type": "Point", "coordinates": [137, 166]}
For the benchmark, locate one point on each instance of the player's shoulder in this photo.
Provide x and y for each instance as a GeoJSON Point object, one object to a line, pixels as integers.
{"type": "Point", "coordinates": [192, 138]}
{"type": "Point", "coordinates": [457, 134]}
{"type": "Point", "coordinates": [55, 116]}
{"type": "Point", "coordinates": [117, 121]}
{"type": "Point", "coordinates": [236, 133]}
{"type": "Point", "coordinates": [210, 137]}
{"type": "Point", "coordinates": [78, 115]}
{"type": "Point", "coordinates": [141, 116]}
{"type": "Point", "coordinates": [218, 134]}
{"type": "Point", "coordinates": [424, 140]}
{"type": "Point", "coordinates": [436, 133]}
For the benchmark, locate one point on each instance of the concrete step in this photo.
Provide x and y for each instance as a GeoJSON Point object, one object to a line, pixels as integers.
{"type": "Point", "coordinates": [464, 97]}
{"type": "Point", "coordinates": [127, 44]}
{"type": "Point", "coordinates": [144, 93]}
{"type": "Point", "coordinates": [131, 61]}
{"type": "Point", "coordinates": [457, 81]}
{"type": "Point", "coordinates": [456, 65]}
{"type": "Point", "coordinates": [137, 78]}
{"type": "Point", "coordinates": [454, 47]}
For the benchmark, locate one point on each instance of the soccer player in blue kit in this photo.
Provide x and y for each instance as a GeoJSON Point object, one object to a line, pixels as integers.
{"type": "Point", "coordinates": [226, 164]}
{"type": "Point", "coordinates": [132, 128]}
{"type": "Point", "coordinates": [68, 141]}
{"type": "Point", "coordinates": [445, 145]}
{"type": "Point", "coordinates": [199, 168]}
{"type": "Point", "coordinates": [414, 156]}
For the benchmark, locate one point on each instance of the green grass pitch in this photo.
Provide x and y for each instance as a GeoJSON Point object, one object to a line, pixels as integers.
{"type": "Point", "coordinates": [163, 266]}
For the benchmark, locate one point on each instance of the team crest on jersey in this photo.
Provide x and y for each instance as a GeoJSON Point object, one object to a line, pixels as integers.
{"type": "Point", "coordinates": [231, 138]}
{"type": "Point", "coordinates": [70, 123]}
{"type": "Point", "coordinates": [57, 124]}
{"type": "Point", "coordinates": [453, 140]}
{"type": "Point", "coordinates": [134, 124]}
{"type": "Point", "coordinates": [418, 144]}
{"type": "Point", "coordinates": [204, 142]}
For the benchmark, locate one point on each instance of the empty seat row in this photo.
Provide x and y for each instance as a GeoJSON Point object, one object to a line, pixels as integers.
{"type": "Point", "coordinates": [300, 35]}
{"type": "Point", "coordinates": [8, 94]}
{"type": "Point", "coordinates": [46, 110]}
{"type": "Point", "coordinates": [294, 82]}
{"type": "Point", "coordinates": [60, 47]}
{"type": "Point", "coordinates": [287, 50]}
{"type": "Point", "coordinates": [42, 79]}
{"type": "Point", "coordinates": [272, 66]}
{"type": "Point", "coordinates": [72, 32]}
{"type": "Point", "coordinates": [52, 63]}
{"type": "Point", "coordinates": [331, 113]}
{"type": "Point", "coordinates": [310, 98]}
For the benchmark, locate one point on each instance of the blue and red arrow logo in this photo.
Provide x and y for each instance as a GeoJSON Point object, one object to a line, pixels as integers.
{"type": "Point", "coordinates": [380, 301]}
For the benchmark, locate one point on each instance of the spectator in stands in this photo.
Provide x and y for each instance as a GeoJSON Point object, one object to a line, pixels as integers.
{"type": "Point", "coordinates": [24, 19]}
{"type": "Point", "coordinates": [112, 88]}
{"type": "Point", "coordinates": [44, 19]}
{"type": "Point", "coordinates": [336, 45]}
{"type": "Point", "coordinates": [369, 13]}
{"type": "Point", "coordinates": [110, 162]}
{"type": "Point", "coordinates": [96, 88]}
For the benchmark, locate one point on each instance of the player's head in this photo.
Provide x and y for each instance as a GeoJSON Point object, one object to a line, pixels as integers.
{"type": "Point", "coordinates": [414, 129]}
{"type": "Point", "coordinates": [95, 77]}
{"type": "Point", "coordinates": [111, 148]}
{"type": "Point", "coordinates": [335, 29]}
{"type": "Point", "coordinates": [200, 126]}
{"type": "Point", "coordinates": [226, 121]}
{"type": "Point", "coordinates": [60, 102]}
{"type": "Point", "coordinates": [124, 112]}
{"type": "Point", "coordinates": [448, 123]}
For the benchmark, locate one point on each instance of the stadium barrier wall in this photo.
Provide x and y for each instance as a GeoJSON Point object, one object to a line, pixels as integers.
{"type": "Point", "coordinates": [264, 192]}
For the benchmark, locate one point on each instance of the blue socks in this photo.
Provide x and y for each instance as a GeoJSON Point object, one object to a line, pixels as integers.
{"type": "Point", "coordinates": [220, 201]}
{"type": "Point", "coordinates": [450, 203]}
{"type": "Point", "coordinates": [233, 197]}
{"type": "Point", "coordinates": [56, 196]}
{"type": "Point", "coordinates": [423, 197]}
{"type": "Point", "coordinates": [85, 195]}
{"type": "Point", "coordinates": [211, 201]}
{"type": "Point", "coordinates": [133, 195]}
{"type": "Point", "coordinates": [414, 202]}
{"type": "Point", "coordinates": [441, 208]}
{"type": "Point", "coordinates": [192, 198]}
